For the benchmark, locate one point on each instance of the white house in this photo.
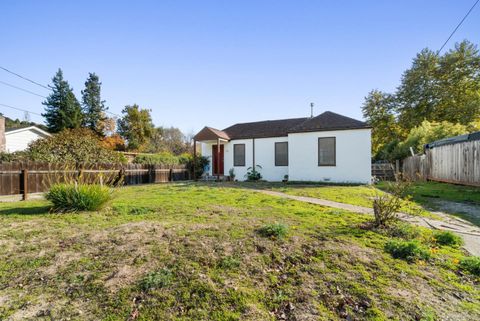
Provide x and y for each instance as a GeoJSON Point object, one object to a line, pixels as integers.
{"type": "Point", "coordinates": [17, 139]}
{"type": "Point", "coordinates": [328, 148]}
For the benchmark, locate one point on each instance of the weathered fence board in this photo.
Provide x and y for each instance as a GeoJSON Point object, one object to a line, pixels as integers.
{"type": "Point", "coordinates": [383, 171]}
{"type": "Point", "coordinates": [453, 163]}
{"type": "Point", "coordinates": [35, 177]}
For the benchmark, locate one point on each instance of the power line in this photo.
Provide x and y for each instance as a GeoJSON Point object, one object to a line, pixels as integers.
{"type": "Point", "coordinates": [25, 78]}
{"type": "Point", "coordinates": [20, 109]}
{"type": "Point", "coordinates": [458, 26]}
{"type": "Point", "coordinates": [22, 89]}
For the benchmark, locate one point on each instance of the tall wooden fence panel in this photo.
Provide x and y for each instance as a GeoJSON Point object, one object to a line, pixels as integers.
{"type": "Point", "coordinates": [35, 177]}
{"type": "Point", "coordinates": [454, 163]}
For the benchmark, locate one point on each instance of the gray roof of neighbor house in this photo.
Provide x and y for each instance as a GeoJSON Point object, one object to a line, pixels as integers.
{"type": "Point", "coordinates": [454, 140]}
{"type": "Point", "coordinates": [277, 128]}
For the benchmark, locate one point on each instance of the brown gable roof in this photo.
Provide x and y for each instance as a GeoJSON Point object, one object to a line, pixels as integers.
{"type": "Point", "coordinates": [328, 121]}
{"type": "Point", "coordinates": [263, 129]}
{"type": "Point", "coordinates": [209, 133]}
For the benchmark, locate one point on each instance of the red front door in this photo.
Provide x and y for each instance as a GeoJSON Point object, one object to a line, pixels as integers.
{"type": "Point", "coordinates": [216, 170]}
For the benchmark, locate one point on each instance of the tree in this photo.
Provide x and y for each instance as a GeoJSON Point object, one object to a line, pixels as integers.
{"type": "Point", "coordinates": [62, 107]}
{"type": "Point", "coordinates": [417, 96]}
{"type": "Point", "coordinates": [378, 110]}
{"type": "Point", "coordinates": [135, 126]}
{"type": "Point", "coordinates": [93, 106]}
{"type": "Point", "coordinates": [169, 139]}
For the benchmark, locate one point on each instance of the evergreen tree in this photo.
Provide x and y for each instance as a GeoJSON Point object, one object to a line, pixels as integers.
{"type": "Point", "coordinates": [93, 106]}
{"type": "Point", "coordinates": [135, 126]}
{"type": "Point", "coordinates": [62, 109]}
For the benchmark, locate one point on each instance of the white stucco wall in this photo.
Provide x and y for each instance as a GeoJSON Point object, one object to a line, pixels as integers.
{"type": "Point", "coordinates": [19, 140]}
{"type": "Point", "coordinates": [265, 157]}
{"type": "Point", "coordinates": [353, 157]}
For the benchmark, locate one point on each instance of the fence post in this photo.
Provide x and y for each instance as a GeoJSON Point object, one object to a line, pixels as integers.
{"type": "Point", "coordinates": [25, 183]}
{"type": "Point", "coordinates": [170, 175]}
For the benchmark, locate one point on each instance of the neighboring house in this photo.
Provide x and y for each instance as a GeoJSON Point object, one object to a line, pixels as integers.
{"type": "Point", "coordinates": [17, 139]}
{"type": "Point", "coordinates": [329, 148]}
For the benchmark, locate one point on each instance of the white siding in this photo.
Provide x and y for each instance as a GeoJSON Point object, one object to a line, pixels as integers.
{"type": "Point", "coordinates": [19, 140]}
{"type": "Point", "coordinates": [353, 157]}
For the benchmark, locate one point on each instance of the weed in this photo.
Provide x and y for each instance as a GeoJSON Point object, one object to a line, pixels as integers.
{"type": "Point", "coordinates": [156, 280]}
{"type": "Point", "coordinates": [447, 238]}
{"type": "Point", "coordinates": [471, 264]}
{"type": "Point", "coordinates": [229, 262]}
{"type": "Point", "coordinates": [410, 251]}
{"type": "Point", "coordinates": [273, 230]}
{"type": "Point", "coordinates": [404, 230]}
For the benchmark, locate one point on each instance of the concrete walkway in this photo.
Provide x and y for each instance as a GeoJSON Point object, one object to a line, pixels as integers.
{"type": "Point", "coordinates": [469, 232]}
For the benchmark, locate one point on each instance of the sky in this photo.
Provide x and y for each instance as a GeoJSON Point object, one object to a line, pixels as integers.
{"type": "Point", "coordinates": [216, 63]}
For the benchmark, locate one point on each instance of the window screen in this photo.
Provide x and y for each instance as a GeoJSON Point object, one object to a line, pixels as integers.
{"type": "Point", "coordinates": [281, 154]}
{"type": "Point", "coordinates": [239, 155]}
{"type": "Point", "coordinates": [326, 151]}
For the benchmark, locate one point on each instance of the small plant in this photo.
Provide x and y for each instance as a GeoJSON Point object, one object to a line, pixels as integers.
{"type": "Point", "coordinates": [447, 238]}
{"type": "Point", "coordinates": [471, 264]}
{"type": "Point", "coordinates": [387, 205]}
{"type": "Point", "coordinates": [253, 174]}
{"type": "Point", "coordinates": [229, 262]}
{"type": "Point", "coordinates": [156, 280]}
{"type": "Point", "coordinates": [403, 230]}
{"type": "Point", "coordinates": [73, 197]}
{"type": "Point", "coordinates": [409, 251]}
{"type": "Point", "coordinates": [273, 230]}
{"type": "Point", "coordinates": [285, 179]}
{"type": "Point", "coordinates": [231, 174]}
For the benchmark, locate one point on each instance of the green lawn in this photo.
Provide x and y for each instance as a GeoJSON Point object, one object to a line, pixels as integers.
{"type": "Point", "coordinates": [193, 252]}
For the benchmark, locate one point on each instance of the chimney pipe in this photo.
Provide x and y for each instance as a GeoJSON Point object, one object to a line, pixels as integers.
{"type": "Point", "coordinates": [2, 134]}
{"type": "Point", "coordinates": [311, 110]}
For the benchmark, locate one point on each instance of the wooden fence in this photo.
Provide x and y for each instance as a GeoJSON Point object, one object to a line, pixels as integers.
{"type": "Point", "coordinates": [457, 163]}
{"type": "Point", "coordinates": [383, 171]}
{"type": "Point", "coordinates": [36, 177]}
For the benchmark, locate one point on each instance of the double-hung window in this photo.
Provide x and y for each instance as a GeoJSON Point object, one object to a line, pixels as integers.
{"type": "Point", "coordinates": [327, 151]}
{"type": "Point", "coordinates": [281, 154]}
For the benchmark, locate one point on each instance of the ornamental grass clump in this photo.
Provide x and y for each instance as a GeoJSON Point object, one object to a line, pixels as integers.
{"type": "Point", "coordinates": [447, 238]}
{"type": "Point", "coordinates": [74, 197]}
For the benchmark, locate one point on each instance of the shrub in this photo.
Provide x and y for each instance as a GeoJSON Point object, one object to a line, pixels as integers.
{"type": "Point", "coordinates": [273, 230]}
{"type": "Point", "coordinates": [253, 174]}
{"type": "Point", "coordinates": [156, 280]}
{"type": "Point", "coordinates": [164, 158]}
{"type": "Point", "coordinates": [410, 251]}
{"type": "Point", "coordinates": [447, 238]}
{"type": "Point", "coordinates": [73, 146]}
{"type": "Point", "coordinates": [72, 197]}
{"type": "Point", "coordinates": [471, 264]}
{"type": "Point", "coordinates": [387, 205]}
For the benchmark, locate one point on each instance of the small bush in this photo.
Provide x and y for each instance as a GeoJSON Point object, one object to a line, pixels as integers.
{"type": "Point", "coordinates": [410, 251]}
{"type": "Point", "coordinates": [404, 230]}
{"type": "Point", "coordinates": [73, 197]}
{"type": "Point", "coordinates": [447, 238]}
{"type": "Point", "coordinates": [273, 230]}
{"type": "Point", "coordinates": [386, 206]}
{"type": "Point", "coordinates": [253, 173]}
{"type": "Point", "coordinates": [471, 264]}
{"type": "Point", "coordinates": [156, 280]}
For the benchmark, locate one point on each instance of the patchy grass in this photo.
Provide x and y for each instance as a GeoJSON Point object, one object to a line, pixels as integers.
{"type": "Point", "coordinates": [192, 252]}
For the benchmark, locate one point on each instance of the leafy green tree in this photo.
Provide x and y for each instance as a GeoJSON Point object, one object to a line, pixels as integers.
{"type": "Point", "coordinates": [135, 126]}
{"type": "Point", "coordinates": [459, 82]}
{"type": "Point", "coordinates": [168, 139]}
{"type": "Point", "coordinates": [418, 93]}
{"type": "Point", "coordinates": [93, 106]}
{"type": "Point", "coordinates": [378, 109]}
{"type": "Point", "coordinates": [62, 109]}
{"type": "Point", "coordinates": [425, 133]}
